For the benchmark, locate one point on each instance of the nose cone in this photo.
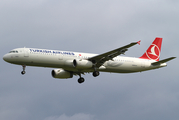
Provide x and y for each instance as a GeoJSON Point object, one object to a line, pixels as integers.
{"type": "Point", "coordinates": [6, 57]}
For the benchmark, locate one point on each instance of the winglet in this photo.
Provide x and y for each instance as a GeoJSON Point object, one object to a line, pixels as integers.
{"type": "Point", "coordinates": [139, 42]}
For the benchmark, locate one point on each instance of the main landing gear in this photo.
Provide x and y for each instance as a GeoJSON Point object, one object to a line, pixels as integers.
{"type": "Point", "coordinates": [81, 79]}
{"type": "Point", "coordinates": [96, 73]}
{"type": "Point", "coordinates": [23, 67]}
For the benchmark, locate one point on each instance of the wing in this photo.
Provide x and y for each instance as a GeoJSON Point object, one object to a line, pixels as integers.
{"type": "Point", "coordinates": [102, 58]}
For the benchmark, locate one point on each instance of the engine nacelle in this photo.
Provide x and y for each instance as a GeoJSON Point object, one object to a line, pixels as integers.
{"type": "Point", "coordinates": [62, 74]}
{"type": "Point", "coordinates": [82, 64]}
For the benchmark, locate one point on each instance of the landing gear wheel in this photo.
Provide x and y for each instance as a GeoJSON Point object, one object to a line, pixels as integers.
{"type": "Point", "coordinates": [81, 80]}
{"type": "Point", "coordinates": [23, 72]}
{"type": "Point", "coordinates": [96, 73]}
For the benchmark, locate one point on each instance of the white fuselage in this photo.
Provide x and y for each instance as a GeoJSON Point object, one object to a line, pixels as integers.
{"type": "Point", "coordinates": [64, 59]}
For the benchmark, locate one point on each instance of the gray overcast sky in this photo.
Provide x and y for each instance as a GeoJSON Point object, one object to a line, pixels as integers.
{"type": "Point", "coordinates": [94, 26]}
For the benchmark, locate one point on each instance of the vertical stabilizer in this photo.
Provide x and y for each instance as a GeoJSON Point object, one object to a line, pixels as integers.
{"type": "Point", "coordinates": [153, 52]}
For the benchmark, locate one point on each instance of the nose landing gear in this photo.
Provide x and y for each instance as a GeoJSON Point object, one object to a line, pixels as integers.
{"type": "Point", "coordinates": [23, 67]}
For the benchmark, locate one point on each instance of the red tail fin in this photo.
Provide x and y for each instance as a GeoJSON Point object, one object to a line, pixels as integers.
{"type": "Point", "coordinates": [153, 52]}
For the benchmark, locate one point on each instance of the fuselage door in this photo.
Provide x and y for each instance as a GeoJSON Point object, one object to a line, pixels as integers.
{"type": "Point", "coordinates": [26, 52]}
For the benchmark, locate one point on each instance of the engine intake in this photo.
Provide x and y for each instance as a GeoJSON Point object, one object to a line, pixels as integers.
{"type": "Point", "coordinates": [62, 74]}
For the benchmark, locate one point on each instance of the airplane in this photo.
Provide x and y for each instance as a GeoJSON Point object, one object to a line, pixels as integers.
{"type": "Point", "coordinates": [66, 64]}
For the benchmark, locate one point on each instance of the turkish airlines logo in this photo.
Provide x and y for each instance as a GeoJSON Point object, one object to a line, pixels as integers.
{"type": "Point", "coordinates": [153, 52]}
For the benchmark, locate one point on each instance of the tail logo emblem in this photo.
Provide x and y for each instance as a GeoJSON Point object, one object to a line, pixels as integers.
{"type": "Point", "coordinates": [153, 52]}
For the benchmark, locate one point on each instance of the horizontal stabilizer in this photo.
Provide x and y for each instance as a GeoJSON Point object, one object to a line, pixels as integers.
{"type": "Point", "coordinates": [163, 61]}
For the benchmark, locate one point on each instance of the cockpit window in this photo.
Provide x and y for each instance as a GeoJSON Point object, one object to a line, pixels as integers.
{"type": "Point", "coordinates": [14, 51]}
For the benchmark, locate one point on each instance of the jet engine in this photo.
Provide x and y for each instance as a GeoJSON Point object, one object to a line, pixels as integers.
{"type": "Point", "coordinates": [82, 64]}
{"type": "Point", "coordinates": [62, 74]}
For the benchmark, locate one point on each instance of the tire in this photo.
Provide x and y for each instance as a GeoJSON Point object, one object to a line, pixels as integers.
{"type": "Point", "coordinates": [23, 72]}
{"type": "Point", "coordinates": [81, 80]}
{"type": "Point", "coordinates": [96, 73]}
